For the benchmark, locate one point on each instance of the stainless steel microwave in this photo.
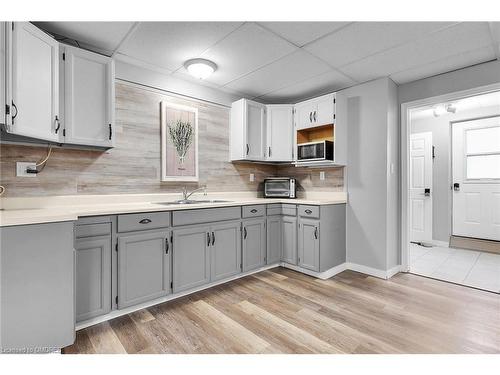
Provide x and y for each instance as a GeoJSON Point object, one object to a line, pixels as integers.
{"type": "Point", "coordinates": [279, 187]}
{"type": "Point", "coordinates": [312, 151]}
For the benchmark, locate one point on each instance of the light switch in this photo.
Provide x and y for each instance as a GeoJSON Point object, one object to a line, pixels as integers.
{"type": "Point", "coordinates": [252, 177]}
{"type": "Point", "coordinates": [322, 175]}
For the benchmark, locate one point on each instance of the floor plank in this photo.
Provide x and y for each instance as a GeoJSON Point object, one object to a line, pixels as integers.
{"type": "Point", "coordinates": [283, 311]}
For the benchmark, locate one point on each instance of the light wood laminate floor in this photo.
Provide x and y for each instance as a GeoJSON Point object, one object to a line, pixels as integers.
{"type": "Point", "coordinates": [282, 311]}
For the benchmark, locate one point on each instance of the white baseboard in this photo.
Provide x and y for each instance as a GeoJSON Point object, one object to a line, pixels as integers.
{"type": "Point", "coordinates": [320, 275]}
{"type": "Point", "coordinates": [381, 274]}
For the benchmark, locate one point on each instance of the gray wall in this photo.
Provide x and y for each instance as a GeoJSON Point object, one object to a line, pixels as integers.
{"type": "Point", "coordinates": [372, 210]}
{"type": "Point", "coordinates": [441, 174]}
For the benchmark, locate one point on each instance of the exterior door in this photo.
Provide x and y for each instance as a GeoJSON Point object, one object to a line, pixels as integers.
{"type": "Point", "coordinates": [274, 239]}
{"type": "Point", "coordinates": [225, 250]}
{"type": "Point", "coordinates": [289, 243]}
{"type": "Point", "coordinates": [254, 245]}
{"type": "Point", "coordinates": [421, 187]}
{"type": "Point", "coordinates": [88, 98]}
{"type": "Point", "coordinates": [92, 277]}
{"type": "Point", "coordinates": [308, 248]}
{"type": "Point", "coordinates": [35, 83]}
{"type": "Point", "coordinates": [256, 119]}
{"type": "Point", "coordinates": [476, 178]}
{"type": "Point", "coordinates": [279, 132]}
{"type": "Point", "coordinates": [143, 267]}
{"type": "Point", "coordinates": [191, 257]}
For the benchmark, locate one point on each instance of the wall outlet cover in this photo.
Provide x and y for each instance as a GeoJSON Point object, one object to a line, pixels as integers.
{"type": "Point", "coordinates": [322, 175]}
{"type": "Point", "coordinates": [21, 168]}
{"type": "Point", "coordinates": [252, 177]}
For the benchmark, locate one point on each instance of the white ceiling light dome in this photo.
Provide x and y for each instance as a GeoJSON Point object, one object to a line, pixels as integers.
{"type": "Point", "coordinates": [200, 68]}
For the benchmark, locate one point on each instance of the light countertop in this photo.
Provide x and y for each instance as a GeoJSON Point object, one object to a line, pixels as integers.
{"type": "Point", "coordinates": [22, 211]}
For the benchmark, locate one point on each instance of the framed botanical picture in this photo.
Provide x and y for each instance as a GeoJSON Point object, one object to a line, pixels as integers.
{"type": "Point", "coordinates": [179, 142]}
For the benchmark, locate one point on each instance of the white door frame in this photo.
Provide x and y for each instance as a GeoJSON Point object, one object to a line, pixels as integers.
{"type": "Point", "coordinates": [405, 160]}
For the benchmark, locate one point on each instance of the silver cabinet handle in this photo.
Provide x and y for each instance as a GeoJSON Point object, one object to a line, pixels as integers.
{"type": "Point", "coordinates": [166, 245]}
{"type": "Point", "coordinates": [13, 116]}
{"type": "Point", "coordinates": [58, 125]}
{"type": "Point", "coordinates": [208, 239]}
{"type": "Point", "coordinates": [145, 221]}
{"type": "Point", "coordinates": [244, 233]}
{"type": "Point", "coordinates": [316, 232]}
{"type": "Point", "coordinates": [213, 238]}
{"type": "Point", "coordinates": [310, 117]}
{"type": "Point", "coordinates": [314, 116]}
{"type": "Point", "coordinates": [269, 151]}
{"type": "Point", "coordinates": [308, 211]}
{"type": "Point", "coordinates": [253, 210]}
{"type": "Point", "coordinates": [248, 149]}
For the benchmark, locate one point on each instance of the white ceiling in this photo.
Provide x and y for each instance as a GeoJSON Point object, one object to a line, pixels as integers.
{"type": "Point", "coordinates": [289, 61]}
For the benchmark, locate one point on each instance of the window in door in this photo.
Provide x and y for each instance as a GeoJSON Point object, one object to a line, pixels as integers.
{"type": "Point", "coordinates": [482, 157]}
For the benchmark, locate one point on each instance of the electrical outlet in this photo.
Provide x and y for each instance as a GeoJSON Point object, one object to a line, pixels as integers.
{"type": "Point", "coordinates": [322, 175]}
{"type": "Point", "coordinates": [252, 177]}
{"type": "Point", "coordinates": [21, 168]}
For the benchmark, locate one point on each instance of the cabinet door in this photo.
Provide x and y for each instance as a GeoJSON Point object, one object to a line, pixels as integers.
{"type": "Point", "coordinates": [191, 257]}
{"type": "Point", "coordinates": [88, 97]}
{"type": "Point", "coordinates": [325, 110]}
{"type": "Point", "coordinates": [255, 119]}
{"type": "Point", "coordinates": [92, 277]}
{"type": "Point", "coordinates": [143, 267]}
{"type": "Point", "coordinates": [3, 83]}
{"type": "Point", "coordinates": [308, 247]}
{"type": "Point", "coordinates": [274, 239]}
{"type": "Point", "coordinates": [225, 249]}
{"type": "Point", "coordinates": [279, 132]}
{"type": "Point", "coordinates": [304, 113]}
{"type": "Point", "coordinates": [254, 244]}
{"type": "Point", "coordinates": [289, 246]}
{"type": "Point", "coordinates": [35, 80]}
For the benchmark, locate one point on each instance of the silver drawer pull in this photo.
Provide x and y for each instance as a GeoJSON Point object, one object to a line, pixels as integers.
{"type": "Point", "coordinates": [308, 212]}
{"type": "Point", "coordinates": [253, 210]}
{"type": "Point", "coordinates": [145, 221]}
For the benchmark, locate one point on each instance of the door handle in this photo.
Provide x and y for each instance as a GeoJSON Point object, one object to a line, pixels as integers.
{"type": "Point", "coordinates": [427, 192]}
{"type": "Point", "coordinates": [244, 233]}
{"type": "Point", "coordinates": [213, 238]}
{"type": "Point", "coordinates": [208, 239]}
{"type": "Point", "coordinates": [145, 221]}
{"type": "Point", "coordinates": [456, 186]}
{"type": "Point", "coordinates": [316, 232]}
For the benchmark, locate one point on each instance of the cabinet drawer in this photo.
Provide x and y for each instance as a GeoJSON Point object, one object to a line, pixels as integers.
{"type": "Point", "coordinates": [143, 221]}
{"type": "Point", "coordinates": [92, 230]}
{"type": "Point", "coordinates": [281, 209]}
{"type": "Point", "coordinates": [289, 209]}
{"type": "Point", "coordinates": [274, 209]}
{"type": "Point", "coordinates": [253, 211]}
{"type": "Point", "coordinates": [309, 211]}
{"type": "Point", "coordinates": [207, 215]}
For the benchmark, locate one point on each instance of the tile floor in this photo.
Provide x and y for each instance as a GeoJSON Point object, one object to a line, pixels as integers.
{"type": "Point", "coordinates": [472, 268]}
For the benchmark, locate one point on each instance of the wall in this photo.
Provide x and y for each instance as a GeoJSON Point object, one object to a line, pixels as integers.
{"type": "Point", "coordinates": [133, 166]}
{"type": "Point", "coordinates": [373, 190]}
{"type": "Point", "coordinates": [458, 80]}
{"type": "Point", "coordinates": [441, 174]}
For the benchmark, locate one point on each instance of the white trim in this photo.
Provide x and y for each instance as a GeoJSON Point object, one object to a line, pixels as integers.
{"type": "Point", "coordinates": [381, 274]}
{"type": "Point", "coordinates": [405, 139]}
{"type": "Point", "coordinates": [164, 178]}
{"type": "Point", "coordinates": [116, 313]}
{"type": "Point", "coordinates": [320, 275]}
{"type": "Point", "coordinates": [440, 243]}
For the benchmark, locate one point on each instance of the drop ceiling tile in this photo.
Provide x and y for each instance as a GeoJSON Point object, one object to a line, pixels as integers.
{"type": "Point", "coordinates": [301, 33]}
{"type": "Point", "coordinates": [446, 65]}
{"type": "Point", "coordinates": [245, 50]}
{"type": "Point", "coordinates": [292, 68]}
{"type": "Point", "coordinates": [105, 36]}
{"type": "Point", "coordinates": [170, 44]}
{"type": "Point", "coordinates": [452, 41]}
{"type": "Point", "coordinates": [362, 39]}
{"type": "Point", "coordinates": [321, 84]}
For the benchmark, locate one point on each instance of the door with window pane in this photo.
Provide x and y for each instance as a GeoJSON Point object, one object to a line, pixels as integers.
{"type": "Point", "coordinates": [476, 178]}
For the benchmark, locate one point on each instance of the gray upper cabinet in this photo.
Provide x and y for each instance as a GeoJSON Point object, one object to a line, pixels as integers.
{"type": "Point", "coordinates": [191, 257]}
{"type": "Point", "coordinates": [308, 247]}
{"type": "Point", "coordinates": [254, 244]}
{"type": "Point", "coordinates": [143, 267]}
{"type": "Point", "coordinates": [225, 249]}
{"type": "Point", "coordinates": [274, 239]}
{"type": "Point", "coordinates": [93, 276]}
{"type": "Point", "coordinates": [87, 97]}
{"type": "Point", "coordinates": [289, 243]}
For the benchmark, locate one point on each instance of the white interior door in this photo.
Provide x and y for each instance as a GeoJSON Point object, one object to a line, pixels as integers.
{"type": "Point", "coordinates": [476, 178]}
{"type": "Point", "coordinates": [420, 187]}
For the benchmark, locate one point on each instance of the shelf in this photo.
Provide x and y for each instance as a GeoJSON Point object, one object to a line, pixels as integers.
{"type": "Point", "coordinates": [316, 134]}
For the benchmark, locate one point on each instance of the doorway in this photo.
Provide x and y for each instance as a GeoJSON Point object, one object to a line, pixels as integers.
{"type": "Point", "coordinates": [451, 188]}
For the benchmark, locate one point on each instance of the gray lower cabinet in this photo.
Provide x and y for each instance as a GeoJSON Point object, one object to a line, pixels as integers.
{"type": "Point", "coordinates": [254, 243]}
{"type": "Point", "coordinates": [308, 244]}
{"type": "Point", "coordinates": [274, 238]}
{"type": "Point", "coordinates": [92, 277]}
{"type": "Point", "coordinates": [143, 267]}
{"type": "Point", "coordinates": [191, 257]}
{"type": "Point", "coordinates": [225, 250]}
{"type": "Point", "coordinates": [289, 242]}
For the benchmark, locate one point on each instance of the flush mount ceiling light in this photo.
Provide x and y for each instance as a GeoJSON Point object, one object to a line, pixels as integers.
{"type": "Point", "coordinates": [200, 68]}
{"type": "Point", "coordinates": [441, 109]}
